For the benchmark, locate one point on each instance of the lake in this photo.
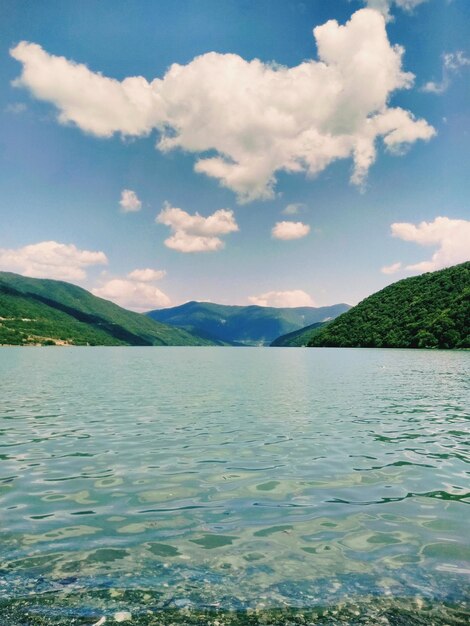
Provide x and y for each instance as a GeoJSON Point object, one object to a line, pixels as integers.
{"type": "Point", "coordinates": [238, 486]}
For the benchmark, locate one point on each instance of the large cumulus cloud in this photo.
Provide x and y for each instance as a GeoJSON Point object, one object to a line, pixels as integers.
{"type": "Point", "coordinates": [256, 118]}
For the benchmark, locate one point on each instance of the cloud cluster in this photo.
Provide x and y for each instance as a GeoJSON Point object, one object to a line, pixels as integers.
{"type": "Point", "coordinates": [450, 237]}
{"type": "Point", "coordinates": [135, 291]}
{"type": "Point", "coordinates": [452, 62]}
{"type": "Point", "coordinates": [129, 201]}
{"type": "Point", "coordinates": [290, 230]}
{"type": "Point", "coordinates": [132, 295]}
{"type": "Point", "coordinates": [194, 233]}
{"type": "Point", "coordinates": [49, 259]}
{"type": "Point", "coordinates": [293, 298]}
{"type": "Point", "coordinates": [258, 118]}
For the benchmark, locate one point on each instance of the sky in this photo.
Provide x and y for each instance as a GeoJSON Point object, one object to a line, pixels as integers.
{"type": "Point", "coordinates": [271, 152]}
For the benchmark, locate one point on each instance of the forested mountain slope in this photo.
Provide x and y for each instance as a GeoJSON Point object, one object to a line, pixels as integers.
{"type": "Point", "coordinates": [40, 311]}
{"type": "Point", "coordinates": [427, 311]}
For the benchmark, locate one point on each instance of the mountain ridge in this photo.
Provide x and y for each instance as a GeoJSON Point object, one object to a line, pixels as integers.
{"type": "Point", "coordinates": [240, 324]}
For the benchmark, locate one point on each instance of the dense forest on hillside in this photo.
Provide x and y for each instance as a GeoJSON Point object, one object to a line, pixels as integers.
{"type": "Point", "coordinates": [38, 311]}
{"type": "Point", "coordinates": [427, 311]}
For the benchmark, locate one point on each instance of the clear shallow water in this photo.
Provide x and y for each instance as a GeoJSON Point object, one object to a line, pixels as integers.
{"type": "Point", "coordinates": [200, 485]}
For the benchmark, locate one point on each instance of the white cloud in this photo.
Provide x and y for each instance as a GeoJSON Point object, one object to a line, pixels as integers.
{"type": "Point", "coordinates": [131, 294]}
{"type": "Point", "coordinates": [384, 6]}
{"type": "Point", "coordinates": [437, 88]}
{"type": "Point", "coordinates": [294, 208]}
{"type": "Point", "coordinates": [290, 230]}
{"type": "Point", "coordinates": [49, 259]}
{"type": "Point", "coordinates": [259, 118]}
{"type": "Point", "coordinates": [293, 298]}
{"type": "Point", "coordinates": [391, 269]}
{"type": "Point", "coordinates": [455, 60]}
{"type": "Point", "coordinates": [194, 233]}
{"type": "Point", "coordinates": [452, 62]}
{"type": "Point", "coordinates": [129, 201]}
{"type": "Point", "coordinates": [450, 237]}
{"type": "Point", "coordinates": [408, 5]}
{"type": "Point", "coordinates": [146, 275]}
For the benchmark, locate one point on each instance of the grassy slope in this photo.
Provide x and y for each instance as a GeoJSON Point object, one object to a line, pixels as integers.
{"type": "Point", "coordinates": [249, 325]}
{"type": "Point", "coordinates": [427, 311]}
{"type": "Point", "coordinates": [36, 310]}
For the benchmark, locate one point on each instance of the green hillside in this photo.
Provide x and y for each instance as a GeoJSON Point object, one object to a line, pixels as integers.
{"type": "Point", "coordinates": [244, 325]}
{"type": "Point", "coordinates": [298, 338]}
{"type": "Point", "coordinates": [427, 311]}
{"type": "Point", "coordinates": [39, 311]}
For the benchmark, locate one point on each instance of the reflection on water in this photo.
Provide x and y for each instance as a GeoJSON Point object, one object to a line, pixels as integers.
{"type": "Point", "coordinates": [234, 486]}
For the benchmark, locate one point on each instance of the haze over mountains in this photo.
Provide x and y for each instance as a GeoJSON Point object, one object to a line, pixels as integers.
{"type": "Point", "coordinates": [243, 325]}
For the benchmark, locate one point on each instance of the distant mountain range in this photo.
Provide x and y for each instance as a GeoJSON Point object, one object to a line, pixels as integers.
{"type": "Point", "coordinates": [427, 311]}
{"type": "Point", "coordinates": [243, 325]}
{"type": "Point", "coordinates": [37, 311]}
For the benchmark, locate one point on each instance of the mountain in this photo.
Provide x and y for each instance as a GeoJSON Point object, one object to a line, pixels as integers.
{"type": "Point", "coordinates": [39, 311]}
{"type": "Point", "coordinates": [298, 338]}
{"type": "Point", "coordinates": [427, 311]}
{"type": "Point", "coordinates": [243, 325]}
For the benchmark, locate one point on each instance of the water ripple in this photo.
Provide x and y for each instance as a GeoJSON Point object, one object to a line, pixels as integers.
{"type": "Point", "coordinates": [177, 479]}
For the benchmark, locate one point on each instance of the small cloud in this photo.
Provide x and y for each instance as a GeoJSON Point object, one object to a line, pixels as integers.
{"type": "Point", "coordinates": [407, 5]}
{"type": "Point", "coordinates": [294, 208]}
{"type": "Point", "coordinates": [194, 233]}
{"type": "Point", "coordinates": [146, 275]}
{"type": "Point", "coordinates": [129, 201]}
{"type": "Point", "coordinates": [290, 230]}
{"type": "Point", "coordinates": [293, 298]}
{"type": "Point", "coordinates": [131, 294]}
{"type": "Point", "coordinates": [50, 259]}
{"type": "Point", "coordinates": [16, 108]}
{"type": "Point", "coordinates": [385, 6]}
{"type": "Point", "coordinates": [455, 60]}
{"type": "Point", "coordinates": [452, 62]}
{"type": "Point", "coordinates": [391, 269]}
{"type": "Point", "coordinates": [436, 88]}
{"type": "Point", "coordinates": [450, 237]}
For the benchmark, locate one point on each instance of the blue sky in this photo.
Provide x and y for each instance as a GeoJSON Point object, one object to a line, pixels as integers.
{"type": "Point", "coordinates": [248, 195]}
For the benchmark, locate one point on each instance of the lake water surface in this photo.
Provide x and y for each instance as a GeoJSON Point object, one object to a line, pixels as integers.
{"type": "Point", "coordinates": [224, 485]}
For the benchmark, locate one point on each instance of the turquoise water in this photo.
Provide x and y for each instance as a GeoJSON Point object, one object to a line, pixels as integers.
{"type": "Point", "coordinates": [224, 485]}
